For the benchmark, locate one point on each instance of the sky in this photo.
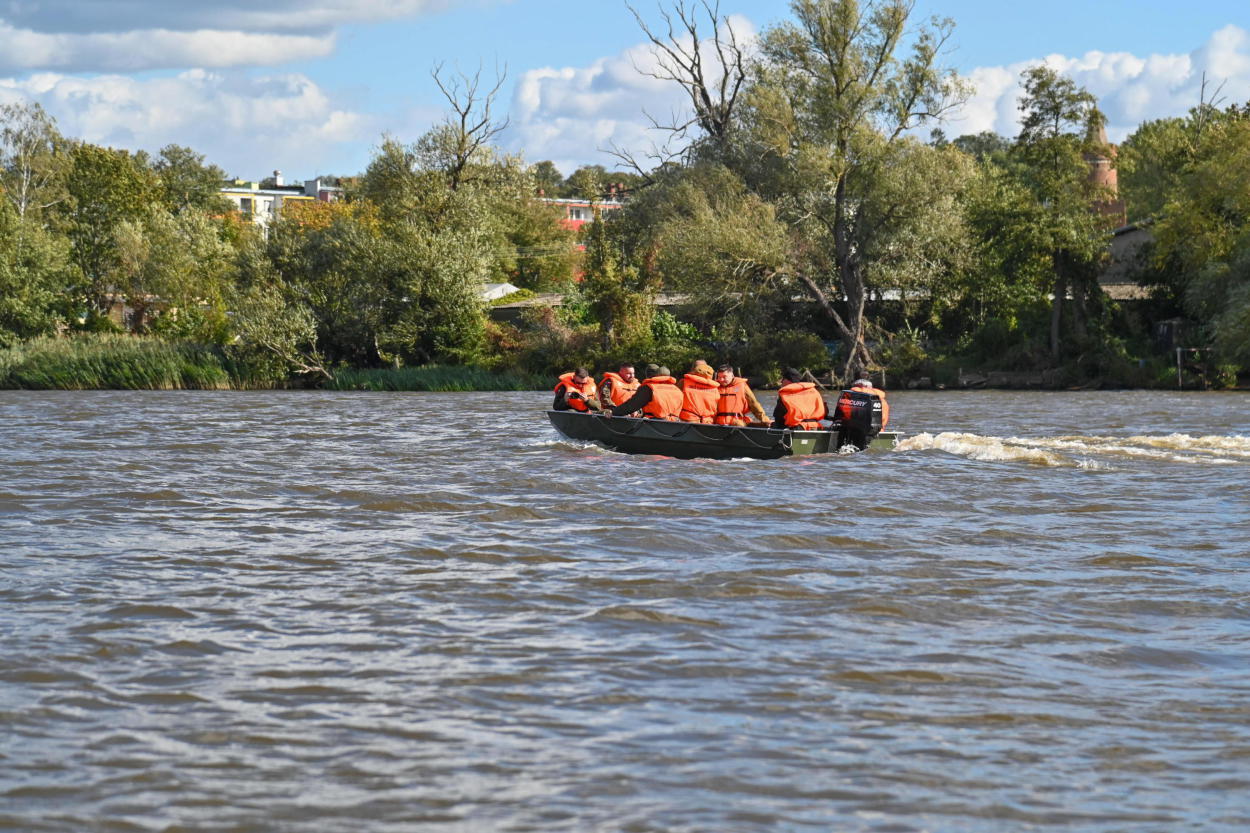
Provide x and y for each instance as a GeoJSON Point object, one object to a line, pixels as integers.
{"type": "Point", "coordinates": [311, 87]}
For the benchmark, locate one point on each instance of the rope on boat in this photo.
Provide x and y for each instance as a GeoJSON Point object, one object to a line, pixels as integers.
{"type": "Point", "coordinates": [639, 423]}
{"type": "Point", "coordinates": [786, 439]}
{"type": "Point", "coordinates": [766, 447]}
{"type": "Point", "coordinates": [607, 423]}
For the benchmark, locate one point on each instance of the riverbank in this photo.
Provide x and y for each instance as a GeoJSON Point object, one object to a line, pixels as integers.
{"type": "Point", "coordinates": [123, 362]}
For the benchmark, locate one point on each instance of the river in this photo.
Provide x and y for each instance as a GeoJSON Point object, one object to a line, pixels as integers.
{"type": "Point", "coordinates": [292, 611]}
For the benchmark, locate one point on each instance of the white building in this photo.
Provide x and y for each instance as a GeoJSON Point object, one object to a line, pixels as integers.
{"type": "Point", "coordinates": [263, 205]}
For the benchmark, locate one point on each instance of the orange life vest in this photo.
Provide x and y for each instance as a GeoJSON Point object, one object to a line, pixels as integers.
{"type": "Point", "coordinates": [700, 396]}
{"type": "Point", "coordinates": [586, 389]}
{"type": "Point", "coordinates": [733, 406]}
{"type": "Point", "coordinates": [620, 390]}
{"type": "Point", "coordinates": [885, 406]}
{"type": "Point", "coordinates": [804, 406]}
{"type": "Point", "coordinates": [665, 398]}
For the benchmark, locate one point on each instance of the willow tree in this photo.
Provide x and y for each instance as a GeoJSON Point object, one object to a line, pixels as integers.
{"type": "Point", "coordinates": [827, 134]}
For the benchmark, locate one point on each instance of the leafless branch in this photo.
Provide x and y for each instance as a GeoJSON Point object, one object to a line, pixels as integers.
{"type": "Point", "coordinates": [470, 124]}
{"type": "Point", "coordinates": [711, 75]}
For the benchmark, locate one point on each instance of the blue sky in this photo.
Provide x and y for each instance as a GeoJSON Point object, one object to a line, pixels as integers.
{"type": "Point", "coordinates": [310, 86]}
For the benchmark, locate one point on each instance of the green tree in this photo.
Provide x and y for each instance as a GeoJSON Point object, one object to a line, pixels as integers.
{"type": "Point", "coordinates": [32, 273]}
{"type": "Point", "coordinates": [1152, 162]}
{"type": "Point", "coordinates": [827, 120]}
{"type": "Point", "coordinates": [176, 271]}
{"type": "Point", "coordinates": [984, 146]}
{"type": "Point", "coordinates": [545, 250]}
{"type": "Point", "coordinates": [184, 182]}
{"type": "Point", "coordinates": [547, 178]}
{"type": "Point", "coordinates": [1060, 131]}
{"type": "Point", "coordinates": [621, 297]}
{"type": "Point", "coordinates": [32, 159]}
{"type": "Point", "coordinates": [327, 269]}
{"type": "Point", "coordinates": [275, 334]}
{"type": "Point", "coordinates": [589, 182]}
{"type": "Point", "coordinates": [1001, 304]}
{"type": "Point", "coordinates": [708, 235]}
{"type": "Point", "coordinates": [106, 188]}
{"type": "Point", "coordinates": [1204, 234]}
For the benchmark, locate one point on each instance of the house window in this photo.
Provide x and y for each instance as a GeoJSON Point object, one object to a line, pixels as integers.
{"type": "Point", "coordinates": [245, 205]}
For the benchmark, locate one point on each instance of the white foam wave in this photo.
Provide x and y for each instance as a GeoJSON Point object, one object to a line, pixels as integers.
{"type": "Point", "coordinates": [1174, 448]}
{"type": "Point", "coordinates": [977, 447]}
{"type": "Point", "coordinates": [1087, 452]}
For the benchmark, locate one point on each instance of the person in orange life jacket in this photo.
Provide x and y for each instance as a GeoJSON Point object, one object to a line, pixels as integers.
{"type": "Point", "coordinates": [853, 423]}
{"type": "Point", "coordinates": [799, 405]}
{"type": "Point", "coordinates": [699, 367]}
{"type": "Point", "coordinates": [700, 394]}
{"type": "Point", "coordinates": [737, 402]}
{"type": "Point", "coordinates": [657, 398]}
{"type": "Point", "coordinates": [865, 386]}
{"type": "Point", "coordinates": [576, 392]}
{"type": "Point", "coordinates": [615, 388]}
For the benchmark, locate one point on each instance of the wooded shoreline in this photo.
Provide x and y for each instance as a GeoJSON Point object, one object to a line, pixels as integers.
{"type": "Point", "coordinates": [802, 219]}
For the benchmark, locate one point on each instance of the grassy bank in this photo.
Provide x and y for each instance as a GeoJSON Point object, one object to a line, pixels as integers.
{"type": "Point", "coordinates": [115, 362]}
{"type": "Point", "coordinates": [122, 362]}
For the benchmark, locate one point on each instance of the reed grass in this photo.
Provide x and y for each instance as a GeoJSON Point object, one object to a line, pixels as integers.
{"type": "Point", "coordinates": [436, 378]}
{"type": "Point", "coordinates": [107, 361]}
{"type": "Point", "coordinates": [113, 362]}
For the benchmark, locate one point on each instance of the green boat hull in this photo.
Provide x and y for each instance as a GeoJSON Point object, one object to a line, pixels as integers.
{"type": "Point", "coordinates": [687, 440]}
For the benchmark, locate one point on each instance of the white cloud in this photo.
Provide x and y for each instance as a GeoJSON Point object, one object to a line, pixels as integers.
{"type": "Point", "coordinates": [574, 115]}
{"type": "Point", "coordinates": [136, 35]}
{"type": "Point", "coordinates": [76, 16]}
{"type": "Point", "coordinates": [153, 49]}
{"type": "Point", "coordinates": [237, 122]}
{"type": "Point", "coordinates": [1130, 89]}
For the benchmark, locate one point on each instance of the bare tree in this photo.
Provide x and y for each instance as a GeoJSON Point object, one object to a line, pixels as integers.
{"type": "Point", "coordinates": [468, 128]}
{"type": "Point", "coordinates": [711, 71]}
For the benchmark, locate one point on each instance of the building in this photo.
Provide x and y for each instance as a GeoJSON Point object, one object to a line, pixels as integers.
{"type": "Point", "coordinates": [263, 202]}
{"type": "Point", "coordinates": [579, 212]}
{"type": "Point", "coordinates": [1102, 174]}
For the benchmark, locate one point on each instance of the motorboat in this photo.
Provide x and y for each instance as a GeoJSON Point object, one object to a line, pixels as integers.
{"type": "Point", "coordinates": [690, 440]}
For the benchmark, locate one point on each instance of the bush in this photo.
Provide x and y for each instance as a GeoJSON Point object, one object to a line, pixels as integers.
{"type": "Point", "coordinates": [1224, 377]}
{"type": "Point", "coordinates": [904, 356]}
{"type": "Point", "coordinates": [765, 355]}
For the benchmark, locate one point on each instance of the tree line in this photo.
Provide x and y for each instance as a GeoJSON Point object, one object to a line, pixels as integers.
{"type": "Point", "coordinates": [811, 211]}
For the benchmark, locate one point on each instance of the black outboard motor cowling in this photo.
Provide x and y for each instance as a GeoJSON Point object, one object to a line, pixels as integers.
{"type": "Point", "coordinates": [859, 415]}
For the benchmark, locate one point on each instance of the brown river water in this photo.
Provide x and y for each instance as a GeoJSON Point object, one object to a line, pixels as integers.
{"type": "Point", "coordinates": [284, 611]}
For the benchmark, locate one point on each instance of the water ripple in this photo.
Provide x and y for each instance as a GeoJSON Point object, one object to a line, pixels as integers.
{"type": "Point", "coordinates": [317, 611]}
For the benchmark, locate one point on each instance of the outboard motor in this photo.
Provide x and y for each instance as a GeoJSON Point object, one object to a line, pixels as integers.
{"type": "Point", "coordinates": [859, 418]}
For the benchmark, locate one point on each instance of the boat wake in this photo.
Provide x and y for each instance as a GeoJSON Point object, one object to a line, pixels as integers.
{"type": "Point", "coordinates": [1091, 452]}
